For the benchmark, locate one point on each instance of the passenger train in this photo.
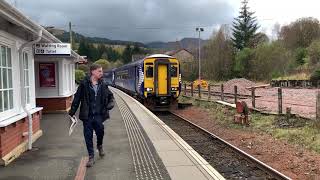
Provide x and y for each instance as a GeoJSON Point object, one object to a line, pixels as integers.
{"type": "Point", "coordinates": [155, 81]}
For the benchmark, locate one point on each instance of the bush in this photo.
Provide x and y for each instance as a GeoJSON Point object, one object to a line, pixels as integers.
{"type": "Point", "coordinates": [314, 52]}
{"type": "Point", "coordinates": [315, 75]}
{"type": "Point", "coordinates": [270, 61]}
{"type": "Point", "coordinates": [117, 64]}
{"type": "Point", "coordinates": [301, 55]}
{"type": "Point", "coordinates": [79, 75]}
{"type": "Point", "coordinates": [83, 67]}
{"type": "Point", "coordinates": [243, 62]}
{"type": "Point", "coordinates": [104, 63]}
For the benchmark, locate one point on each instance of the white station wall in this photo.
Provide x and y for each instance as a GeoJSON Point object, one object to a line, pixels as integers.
{"type": "Point", "coordinates": [64, 77]}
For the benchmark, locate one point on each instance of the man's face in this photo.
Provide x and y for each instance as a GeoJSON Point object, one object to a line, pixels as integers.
{"type": "Point", "coordinates": [97, 73]}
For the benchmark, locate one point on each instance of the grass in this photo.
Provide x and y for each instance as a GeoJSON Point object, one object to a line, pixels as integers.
{"type": "Point", "coordinates": [305, 133]}
{"type": "Point", "coordinates": [299, 76]}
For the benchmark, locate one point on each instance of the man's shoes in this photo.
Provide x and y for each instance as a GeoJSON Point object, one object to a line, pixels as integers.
{"type": "Point", "coordinates": [101, 152]}
{"type": "Point", "coordinates": [90, 162]}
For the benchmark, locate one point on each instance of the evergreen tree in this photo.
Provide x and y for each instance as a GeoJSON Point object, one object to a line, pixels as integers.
{"type": "Point", "coordinates": [244, 28]}
{"type": "Point", "coordinates": [94, 54]}
{"type": "Point", "coordinates": [127, 55]}
{"type": "Point", "coordinates": [101, 50]}
{"type": "Point", "coordinates": [83, 48]}
{"type": "Point", "coordinates": [136, 49]}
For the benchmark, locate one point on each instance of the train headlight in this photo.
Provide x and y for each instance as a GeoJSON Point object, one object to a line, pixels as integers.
{"type": "Point", "coordinates": [149, 89]}
{"type": "Point", "coordinates": [174, 89]}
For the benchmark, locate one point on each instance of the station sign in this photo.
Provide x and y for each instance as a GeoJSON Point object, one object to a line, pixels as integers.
{"type": "Point", "coordinates": [53, 49]}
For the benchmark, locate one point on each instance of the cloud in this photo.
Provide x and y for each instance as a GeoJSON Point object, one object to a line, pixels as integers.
{"type": "Point", "coordinates": [136, 20]}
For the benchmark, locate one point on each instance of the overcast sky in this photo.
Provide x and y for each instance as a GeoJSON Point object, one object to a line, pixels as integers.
{"type": "Point", "coordinates": [158, 20]}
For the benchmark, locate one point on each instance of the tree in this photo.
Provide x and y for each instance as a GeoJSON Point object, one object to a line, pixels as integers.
{"type": "Point", "coordinates": [271, 60]}
{"type": "Point", "coordinates": [127, 55]}
{"type": "Point", "coordinates": [243, 63]}
{"type": "Point", "coordinates": [104, 63]}
{"type": "Point", "coordinates": [218, 56]}
{"type": "Point", "coordinates": [300, 33]}
{"type": "Point", "coordinates": [101, 50]}
{"type": "Point", "coordinates": [117, 64]}
{"type": "Point", "coordinates": [83, 48]}
{"type": "Point", "coordinates": [301, 55]}
{"type": "Point", "coordinates": [83, 67]}
{"type": "Point", "coordinates": [94, 54]}
{"type": "Point", "coordinates": [112, 54]}
{"type": "Point", "coordinates": [314, 52]}
{"type": "Point", "coordinates": [260, 38]}
{"type": "Point", "coordinates": [79, 75]}
{"type": "Point", "coordinates": [244, 28]}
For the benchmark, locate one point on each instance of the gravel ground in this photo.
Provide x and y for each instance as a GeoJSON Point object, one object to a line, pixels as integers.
{"type": "Point", "coordinates": [293, 161]}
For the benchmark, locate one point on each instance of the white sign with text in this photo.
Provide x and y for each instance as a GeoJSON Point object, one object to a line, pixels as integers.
{"type": "Point", "coordinates": [57, 49]}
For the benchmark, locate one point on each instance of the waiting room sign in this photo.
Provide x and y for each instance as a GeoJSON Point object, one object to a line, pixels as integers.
{"type": "Point", "coordinates": [54, 49]}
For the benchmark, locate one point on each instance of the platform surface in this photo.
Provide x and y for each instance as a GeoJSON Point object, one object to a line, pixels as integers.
{"type": "Point", "coordinates": [138, 145]}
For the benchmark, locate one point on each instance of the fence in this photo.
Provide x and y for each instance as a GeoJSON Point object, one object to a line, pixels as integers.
{"type": "Point", "coordinates": [301, 102]}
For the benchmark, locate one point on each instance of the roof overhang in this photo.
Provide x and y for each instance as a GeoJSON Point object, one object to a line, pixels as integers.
{"type": "Point", "coordinates": [14, 16]}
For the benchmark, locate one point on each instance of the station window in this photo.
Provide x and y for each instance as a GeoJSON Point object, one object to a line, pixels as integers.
{"type": "Point", "coordinates": [6, 89]}
{"type": "Point", "coordinates": [174, 71]}
{"type": "Point", "coordinates": [149, 72]}
{"type": "Point", "coordinates": [26, 72]}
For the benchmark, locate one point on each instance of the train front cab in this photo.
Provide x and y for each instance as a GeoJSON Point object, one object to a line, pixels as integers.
{"type": "Point", "coordinates": [161, 83]}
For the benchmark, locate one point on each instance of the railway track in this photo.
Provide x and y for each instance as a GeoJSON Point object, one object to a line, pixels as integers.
{"type": "Point", "coordinates": [227, 159]}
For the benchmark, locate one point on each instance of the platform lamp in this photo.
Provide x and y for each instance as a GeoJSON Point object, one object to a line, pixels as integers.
{"type": "Point", "coordinates": [199, 29]}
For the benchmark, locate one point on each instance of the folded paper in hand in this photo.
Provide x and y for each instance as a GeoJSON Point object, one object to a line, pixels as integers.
{"type": "Point", "coordinates": [73, 122]}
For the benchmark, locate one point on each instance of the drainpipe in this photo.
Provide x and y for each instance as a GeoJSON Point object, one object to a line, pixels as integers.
{"type": "Point", "coordinates": [22, 85]}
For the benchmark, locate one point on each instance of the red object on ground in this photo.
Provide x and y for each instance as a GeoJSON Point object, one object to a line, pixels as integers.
{"type": "Point", "coordinates": [239, 107]}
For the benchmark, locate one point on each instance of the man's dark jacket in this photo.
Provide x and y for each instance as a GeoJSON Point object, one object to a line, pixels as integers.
{"type": "Point", "coordinates": [83, 96]}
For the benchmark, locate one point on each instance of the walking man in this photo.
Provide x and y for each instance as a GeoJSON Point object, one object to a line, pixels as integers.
{"type": "Point", "coordinates": [96, 100]}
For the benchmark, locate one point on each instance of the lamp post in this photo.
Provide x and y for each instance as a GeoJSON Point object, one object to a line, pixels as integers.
{"type": "Point", "coordinates": [198, 29]}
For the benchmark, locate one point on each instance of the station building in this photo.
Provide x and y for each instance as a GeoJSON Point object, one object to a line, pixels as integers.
{"type": "Point", "coordinates": [29, 84]}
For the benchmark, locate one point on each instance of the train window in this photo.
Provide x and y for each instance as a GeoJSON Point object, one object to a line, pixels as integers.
{"type": "Point", "coordinates": [174, 71]}
{"type": "Point", "coordinates": [149, 72]}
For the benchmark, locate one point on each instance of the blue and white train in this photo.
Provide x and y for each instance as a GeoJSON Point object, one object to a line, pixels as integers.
{"type": "Point", "coordinates": [155, 81]}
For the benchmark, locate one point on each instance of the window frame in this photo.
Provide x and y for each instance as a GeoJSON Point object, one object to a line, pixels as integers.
{"type": "Point", "coordinates": [11, 101]}
{"type": "Point", "coordinates": [146, 71]}
{"type": "Point", "coordinates": [176, 71]}
{"type": "Point", "coordinates": [26, 68]}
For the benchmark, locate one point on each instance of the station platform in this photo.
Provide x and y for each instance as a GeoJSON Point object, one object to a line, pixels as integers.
{"type": "Point", "coordinates": [138, 145]}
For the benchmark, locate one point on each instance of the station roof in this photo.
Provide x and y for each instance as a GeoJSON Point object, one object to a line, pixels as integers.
{"type": "Point", "coordinates": [14, 16]}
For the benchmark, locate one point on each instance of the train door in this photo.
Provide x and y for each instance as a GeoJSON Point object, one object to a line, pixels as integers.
{"type": "Point", "coordinates": [163, 79]}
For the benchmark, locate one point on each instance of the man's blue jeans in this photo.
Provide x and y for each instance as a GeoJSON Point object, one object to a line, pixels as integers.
{"type": "Point", "coordinates": [93, 123]}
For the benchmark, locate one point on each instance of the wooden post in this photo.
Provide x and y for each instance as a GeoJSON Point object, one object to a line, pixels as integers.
{"type": "Point", "coordinates": [280, 101]}
{"type": "Point", "coordinates": [222, 95]}
{"type": "Point", "coordinates": [253, 97]}
{"type": "Point", "coordinates": [185, 89]}
{"type": "Point", "coordinates": [288, 113]}
{"type": "Point", "coordinates": [235, 94]}
{"type": "Point", "coordinates": [318, 107]}
{"type": "Point", "coordinates": [199, 91]}
{"type": "Point", "coordinates": [191, 89]}
{"type": "Point", "coordinates": [209, 92]}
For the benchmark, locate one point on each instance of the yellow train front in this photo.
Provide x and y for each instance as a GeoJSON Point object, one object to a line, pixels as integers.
{"type": "Point", "coordinates": [155, 81]}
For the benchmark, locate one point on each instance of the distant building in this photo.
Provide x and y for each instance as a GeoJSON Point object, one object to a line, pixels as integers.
{"type": "Point", "coordinates": [187, 61]}
{"type": "Point", "coordinates": [183, 55]}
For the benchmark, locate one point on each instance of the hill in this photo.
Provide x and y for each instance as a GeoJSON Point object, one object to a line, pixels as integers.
{"type": "Point", "coordinates": [64, 36]}
{"type": "Point", "coordinates": [186, 43]}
